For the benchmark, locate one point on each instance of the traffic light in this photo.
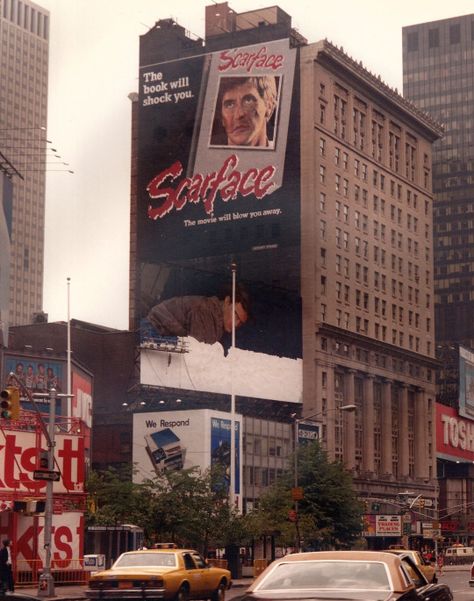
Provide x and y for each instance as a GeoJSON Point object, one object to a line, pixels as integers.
{"type": "Point", "coordinates": [10, 403]}
{"type": "Point", "coordinates": [43, 460]}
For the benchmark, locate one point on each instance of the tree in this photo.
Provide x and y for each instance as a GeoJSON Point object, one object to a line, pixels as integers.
{"type": "Point", "coordinates": [191, 508]}
{"type": "Point", "coordinates": [114, 499]}
{"type": "Point", "coordinates": [329, 515]}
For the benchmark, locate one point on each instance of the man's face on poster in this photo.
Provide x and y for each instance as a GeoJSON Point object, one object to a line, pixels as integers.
{"type": "Point", "coordinates": [245, 116]}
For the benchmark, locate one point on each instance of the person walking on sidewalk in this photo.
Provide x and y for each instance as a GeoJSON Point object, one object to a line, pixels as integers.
{"type": "Point", "coordinates": [6, 567]}
{"type": "Point", "coordinates": [440, 563]}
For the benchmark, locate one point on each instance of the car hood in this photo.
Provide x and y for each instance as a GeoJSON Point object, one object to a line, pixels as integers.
{"type": "Point", "coordinates": [325, 595]}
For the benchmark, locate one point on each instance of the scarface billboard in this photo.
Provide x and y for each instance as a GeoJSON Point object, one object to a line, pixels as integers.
{"type": "Point", "coordinates": [218, 184]}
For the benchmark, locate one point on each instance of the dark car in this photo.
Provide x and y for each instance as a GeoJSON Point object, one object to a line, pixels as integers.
{"type": "Point", "coordinates": [345, 575]}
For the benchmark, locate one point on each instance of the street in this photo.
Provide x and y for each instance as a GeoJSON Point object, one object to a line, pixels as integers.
{"type": "Point", "coordinates": [458, 581]}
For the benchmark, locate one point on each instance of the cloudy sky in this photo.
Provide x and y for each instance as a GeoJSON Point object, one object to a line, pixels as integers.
{"type": "Point", "coordinates": [93, 68]}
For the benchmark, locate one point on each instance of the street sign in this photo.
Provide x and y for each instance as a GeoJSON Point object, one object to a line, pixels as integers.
{"type": "Point", "coordinates": [297, 493]}
{"type": "Point", "coordinates": [46, 475]}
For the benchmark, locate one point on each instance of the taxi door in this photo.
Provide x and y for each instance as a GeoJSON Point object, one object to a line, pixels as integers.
{"type": "Point", "coordinates": [194, 575]}
{"type": "Point", "coordinates": [207, 585]}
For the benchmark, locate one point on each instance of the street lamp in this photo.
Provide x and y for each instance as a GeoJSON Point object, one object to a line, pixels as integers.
{"type": "Point", "coordinates": [350, 408]}
{"type": "Point", "coordinates": [233, 268]}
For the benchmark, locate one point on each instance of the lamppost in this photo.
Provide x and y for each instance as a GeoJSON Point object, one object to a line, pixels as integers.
{"type": "Point", "coordinates": [232, 400]}
{"type": "Point", "coordinates": [297, 493]}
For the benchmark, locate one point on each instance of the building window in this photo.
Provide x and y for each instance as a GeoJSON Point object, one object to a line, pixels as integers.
{"type": "Point", "coordinates": [412, 41]}
{"type": "Point", "coordinates": [323, 284]}
{"type": "Point", "coordinates": [455, 34]}
{"type": "Point", "coordinates": [433, 38]}
{"type": "Point", "coordinates": [322, 202]}
{"type": "Point", "coordinates": [322, 113]}
{"type": "Point", "coordinates": [322, 147]}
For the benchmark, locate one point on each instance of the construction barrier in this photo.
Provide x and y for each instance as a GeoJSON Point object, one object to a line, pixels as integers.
{"type": "Point", "coordinates": [218, 563]}
{"type": "Point", "coordinates": [259, 565]}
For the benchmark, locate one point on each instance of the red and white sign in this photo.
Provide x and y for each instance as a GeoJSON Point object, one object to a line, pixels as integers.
{"type": "Point", "coordinates": [18, 456]}
{"type": "Point", "coordinates": [388, 525]}
{"type": "Point", "coordinates": [67, 538]}
{"type": "Point", "coordinates": [454, 434]}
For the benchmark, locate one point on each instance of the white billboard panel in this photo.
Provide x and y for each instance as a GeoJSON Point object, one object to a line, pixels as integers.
{"type": "Point", "coordinates": [206, 368]}
{"type": "Point", "coordinates": [174, 440]}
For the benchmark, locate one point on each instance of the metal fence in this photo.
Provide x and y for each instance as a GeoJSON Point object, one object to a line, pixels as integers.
{"type": "Point", "coordinates": [70, 571]}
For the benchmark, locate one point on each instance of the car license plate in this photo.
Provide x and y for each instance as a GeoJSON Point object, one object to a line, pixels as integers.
{"type": "Point", "coordinates": [125, 584]}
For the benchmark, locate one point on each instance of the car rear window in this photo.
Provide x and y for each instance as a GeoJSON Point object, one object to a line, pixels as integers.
{"type": "Point", "coordinates": [159, 560]}
{"type": "Point", "coordinates": [327, 575]}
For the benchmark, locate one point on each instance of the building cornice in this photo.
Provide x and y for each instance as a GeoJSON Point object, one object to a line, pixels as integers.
{"type": "Point", "coordinates": [433, 129]}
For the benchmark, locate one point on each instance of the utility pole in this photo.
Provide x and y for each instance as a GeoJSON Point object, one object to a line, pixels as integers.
{"type": "Point", "coordinates": [46, 581]}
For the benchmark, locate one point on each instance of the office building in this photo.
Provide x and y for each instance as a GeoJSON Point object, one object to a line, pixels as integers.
{"type": "Point", "coordinates": [327, 223]}
{"type": "Point", "coordinates": [24, 47]}
{"type": "Point", "coordinates": [438, 61]}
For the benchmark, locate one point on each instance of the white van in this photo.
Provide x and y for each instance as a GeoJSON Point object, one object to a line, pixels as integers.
{"type": "Point", "coordinates": [457, 554]}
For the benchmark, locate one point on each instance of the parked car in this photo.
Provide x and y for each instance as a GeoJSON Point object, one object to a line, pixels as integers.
{"type": "Point", "coordinates": [471, 579]}
{"type": "Point", "coordinates": [345, 575]}
{"type": "Point", "coordinates": [428, 569]}
{"type": "Point", "coordinates": [168, 573]}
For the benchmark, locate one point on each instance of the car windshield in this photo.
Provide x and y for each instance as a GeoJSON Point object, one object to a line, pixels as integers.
{"type": "Point", "coordinates": [323, 574]}
{"type": "Point", "coordinates": [161, 560]}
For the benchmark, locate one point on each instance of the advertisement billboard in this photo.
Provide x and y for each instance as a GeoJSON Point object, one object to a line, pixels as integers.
{"type": "Point", "coordinates": [454, 435]}
{"type": "Point", "coordinates": [18, 461]}
{"type": "Point", "coordinates": [175, 440]}
{"type": "Point", "coordinates": [37, 375]}
{"type": "Point", "coordinates": [466, 382]}
{"type": "Point", "coordinates": [81, 404]}
{"type": "Point", "coordinates": [67, 538]}
{"type": "Point", "coordinates": [218, 185]}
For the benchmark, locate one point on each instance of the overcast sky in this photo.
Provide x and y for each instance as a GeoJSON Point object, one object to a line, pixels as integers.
{"type": "Point", "coordinates": [93, 68]}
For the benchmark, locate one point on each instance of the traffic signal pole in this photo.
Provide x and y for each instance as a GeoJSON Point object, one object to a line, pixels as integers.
{"type": "Point", "coordinates": [46, 581]}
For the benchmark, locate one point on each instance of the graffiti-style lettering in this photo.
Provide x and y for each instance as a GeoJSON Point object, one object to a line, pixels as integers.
{"type": "Point", "coordinates": [227, 180]}
{"type": "Point", "coordinates": [237, 59]}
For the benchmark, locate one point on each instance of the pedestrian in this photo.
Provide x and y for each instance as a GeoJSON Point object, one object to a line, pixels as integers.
{"type": "Point", "coordinates": [440, 563]}
{"type": "Point", "coordinates": [6, 566]}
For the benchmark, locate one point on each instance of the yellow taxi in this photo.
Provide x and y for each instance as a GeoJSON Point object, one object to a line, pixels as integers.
{"type": "Point", "coordinates": [426, 568]}
{"type": "Point", "coordinates": [164, 573]}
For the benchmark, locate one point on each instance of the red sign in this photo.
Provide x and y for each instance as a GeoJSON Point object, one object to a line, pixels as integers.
{"type": "Point", "coordinates": [454, 434]}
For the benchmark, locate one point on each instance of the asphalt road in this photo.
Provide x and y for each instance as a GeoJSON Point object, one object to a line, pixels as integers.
{"type": "Point", "coordinates": [458, 582]}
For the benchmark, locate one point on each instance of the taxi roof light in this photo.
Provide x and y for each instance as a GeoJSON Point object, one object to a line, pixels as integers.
{"type": "Point", "coordinates": [165, 546]}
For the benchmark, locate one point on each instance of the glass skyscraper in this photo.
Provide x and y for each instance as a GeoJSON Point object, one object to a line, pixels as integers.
{"type": "Point", "coordinates": [438, 75]}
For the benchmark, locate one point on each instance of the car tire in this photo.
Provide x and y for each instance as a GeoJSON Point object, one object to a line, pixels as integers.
{"type": "Point", "coordinates": [219, 593]}
{"type": "Point", "coordinates": [182, 594]}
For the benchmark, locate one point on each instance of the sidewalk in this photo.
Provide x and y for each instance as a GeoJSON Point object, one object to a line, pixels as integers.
{"type": "Point", "coordinates": [77, 592]}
